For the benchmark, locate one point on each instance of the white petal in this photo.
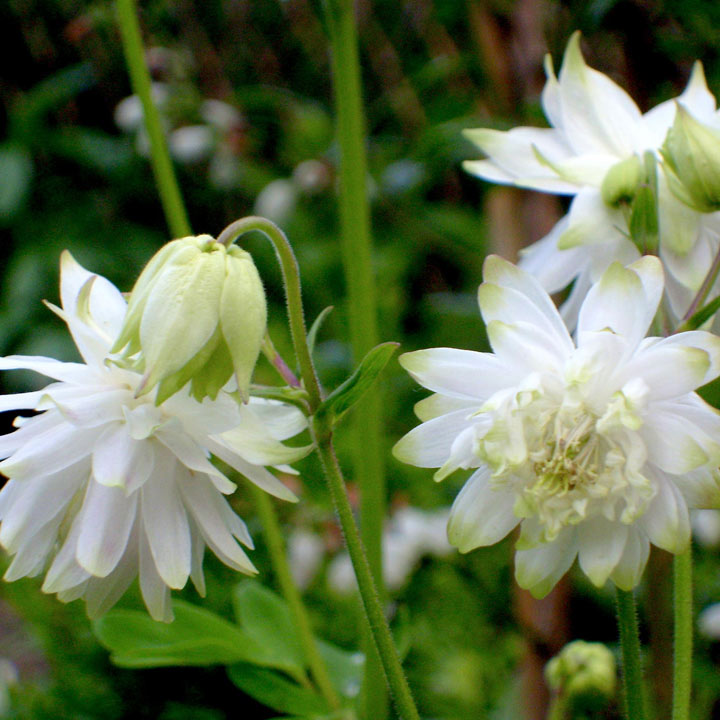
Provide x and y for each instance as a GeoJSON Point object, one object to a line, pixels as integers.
{"type": "Point", "coordinates": [120, 461]}
{"type": "Point", "coordinates": [600, 546]}
{"type": "Point", "coordinates": [282, 421]}
{"type": "Point", "coordinates": [629, 569]}
{"type": "Point", "coordinates": [206, 506]}
{"type": "Point", "coordinates": [539, 569]}
{"type": "Point", "coordinates": [53, 450]}
{"type": "Point", "coordinates": [618, 302]}
{"type": "Point", "coordinates": [666, 520]}
{"type": "Point", "coordinates": [462, 374]}
{"type": "Point", "coordinates": [700, 488]}
{"type": "Point", "coordinates": [525, 348]}
{"type": "Point", "coordinates": [428, 445]}
{"type": "Point", "coordinates": [64, 572]}
{"type": "Point", "coordinates": [32, 556]}
{"type": "Point", "coordinates": [18, 401]}
{"type": "Point", "coordinates": [597, 115]}
{"type": "Point", "coordinates": [436, 405]}
{"type": "Point", "coordinates": [481, 515]}
{"type": "Point", "coordinates": [96, 407]}
{"type": "Point", "coordinates": [107, 519]}
{"type": "Point", "coordinates": [198, 551]}
{"type": "Point", "coordinates": [166, 525]}
{"type": "Point", "coordinates": [193, 457]}
{"type": "Point", "coordinates": [154, 591]}
{"type": "Point", "coordinates": [70, 372]}
{"type": "Point", "coordinates": [592, 222]}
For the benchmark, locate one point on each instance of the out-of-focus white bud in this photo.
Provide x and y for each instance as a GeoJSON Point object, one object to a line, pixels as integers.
{"type": "Point", "coordinates": [220, 115]}
{"type": "Point", "coordinates": [709, 622]}
{"type": "Point", "coordinates": [276, 201]}
{"type": "Point", "coordinates": [706, 527]}
{"type": "Point", "coordinates": [305, 553]}
{"type": "Point", "coordinates": [312, 176]}
{"type": "Point", "coordinates": [192, 143]}
{"type": "Point", "coordinates": [197, 314]}
{"type": "Point", "coordinates": [128, 113]}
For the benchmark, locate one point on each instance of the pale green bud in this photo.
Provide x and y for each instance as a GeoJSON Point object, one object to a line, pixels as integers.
{"type": "Point", "coordinates": [692, 162]}
{"type": "Point", "coordinates": [583, 670]}
{"type": "Point", "coordinates": [197, 314]}
{"type": "Point", "coordinates": [622, 181]}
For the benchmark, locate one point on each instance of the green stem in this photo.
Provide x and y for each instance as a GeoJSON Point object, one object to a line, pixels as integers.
{"type": "Point", "coordinates": [682, 656]}
{"type": "Point", "coordinates": [558, 708]}
{"type": "Point", "coordinates": [381, 634]}
{"type": "Point", "coordinates": [291, 278]}
{"type": "Point", "coordinates": [278, 557]}
{"type": "Point", "coordinates": [168, 188]}
{"type": "Point", "coordinates": [356, 245]}
{"type": "Point", "coordinates": [631, 660]}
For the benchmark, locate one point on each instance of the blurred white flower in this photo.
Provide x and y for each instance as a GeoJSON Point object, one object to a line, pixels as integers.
{"type": "Point", "coordinates": [410, 535]}
{"type": "Point", "coordinates": [105, 485]}
{"type": "Point", "coordinates": [191, 143]}
{"type": "Point", "coordinates": [596, 127]}
{"type": "Point", "coordinates": [129, 113]}
{"type": "Point", "coordinates": [709, 622]}
{"type": "Point", "coordinates": [706, 527]}
{"type": "Point", "coordinates": [8, 678]}
{"type": "Point", "coordinates": [276, 201]}
{"type": "Point", "coordinates": [305, 553]}
{"type": "Point", "coordinates": [596, 449]}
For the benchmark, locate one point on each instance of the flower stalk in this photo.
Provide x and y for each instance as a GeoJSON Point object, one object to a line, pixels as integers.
{"type": "Point", "coordinates": [682, 652]}
{"type": "Point", "coordinates": [167, 184]}
{"type": "Point", "coordinates": [631, 659]}
{"type": "Point", "coordinates": [279, 560]}
{"type": "Point", "coordinates": [356, 246]}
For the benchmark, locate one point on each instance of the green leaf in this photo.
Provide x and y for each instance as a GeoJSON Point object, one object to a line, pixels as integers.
{"type": "Point", "coordinates": [266, 618]}
{"type": "Point", "coordinates": [196, 637]}
{"type": "Point", "coordinates": [16, 171]}
{"type": "Point", "coordinates": [276, 692]}
{"type": "Point", "coordinates": [347, 394]}
{"type": "Point", "coordinates": [344, 667]}
{"type": "Point", "coordinates": [319, 320]}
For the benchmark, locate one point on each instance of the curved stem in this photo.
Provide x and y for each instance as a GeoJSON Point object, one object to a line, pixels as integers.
{"type": "Point", "coordinates": [278, 557]}
{"type": "Point", "coordinates": [291, 278]}
{"type": "Point", "coordinates": [631, 659]}
{"type": "Point", "coordinates": [682, 656]}
{"type": "Point", "coordinates": [168, 188]}
{"type": "Point", "coordinates": [705, 288]}
{"type": "Point", "coordinates": [374, 614]}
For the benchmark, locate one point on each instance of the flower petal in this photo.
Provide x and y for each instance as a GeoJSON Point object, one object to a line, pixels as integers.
{"type": "Point", "coordinates": [666, 520]}
{"type": "Point", "coordinates": [629, 570]}
{"type": "Point", "coordinates": [600, 547]}
{"type": "Point", "coordinates": [462, 374]}
{"type": "Point", "coordinates": [481, 514]}
{"type": "Point", "coordinates": [539, 569]}
{"type": "Point", "coordinates": [120, 461]}
{"type": "Point", "coordinates": [154, 591]}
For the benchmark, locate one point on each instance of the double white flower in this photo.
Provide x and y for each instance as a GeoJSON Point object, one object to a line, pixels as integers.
{"type": "Point", "coordinates": [105, 485]}
{"type": "Point", "coordinates": [596, 449]}
{"type": "Point", "coordinates": [595, 127]}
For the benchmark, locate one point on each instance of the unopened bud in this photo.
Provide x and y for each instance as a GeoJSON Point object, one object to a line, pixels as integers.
{"type": "Point", "coordinates": [583, 670]}
{"type": "Point", "coordinates": [692, 162]}
{"type": "Point", "coordinates": [197, 314]}
{"type": "Point", "coordinates": [622, 181]}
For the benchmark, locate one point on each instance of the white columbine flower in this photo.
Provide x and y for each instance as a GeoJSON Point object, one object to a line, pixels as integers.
{"type": "Point", "coordinates": [104, 485]}
{"type": "Point", "coordinates": [596, 449]}
{"type": "Point", "coordinates": [597, 127]}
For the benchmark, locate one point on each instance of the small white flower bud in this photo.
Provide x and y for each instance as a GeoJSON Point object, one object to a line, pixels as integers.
{"type": "Point", "coordinates": [197, 314]}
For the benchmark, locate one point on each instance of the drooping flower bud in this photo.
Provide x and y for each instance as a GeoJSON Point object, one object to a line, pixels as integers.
{"type": "Point", "coordinates": [692, 162]}
{"type": "Point", "coordinates": [583, 671]}
{"type": "Point", "coordinates": [197, 314]}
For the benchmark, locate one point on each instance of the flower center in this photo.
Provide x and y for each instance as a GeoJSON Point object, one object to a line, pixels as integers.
{"type": "Point", "coordinates": [564, 462]}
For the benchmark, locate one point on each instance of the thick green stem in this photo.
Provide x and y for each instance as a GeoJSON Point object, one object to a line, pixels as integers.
{"type": "Point", "coordinates": [293, 294]}
{"type": "Point", "coordinates": [278, 557]}
{"type": "Point", "coordinates": [168, 188]}
{"type": "Point", "coordinates": [631, 660]}
{"type": "Point", "coordinates": [381, 634]}
{"type": "Point", "coordinates": [682, 656]}
{"type": "Point", "coordinates": [356, 244]}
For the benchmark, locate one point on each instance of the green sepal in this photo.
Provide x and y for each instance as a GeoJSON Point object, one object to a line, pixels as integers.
{"type": "Point", "coordinates": [346, 395]}
{"type": "Point", "coordinates": [699, 318]}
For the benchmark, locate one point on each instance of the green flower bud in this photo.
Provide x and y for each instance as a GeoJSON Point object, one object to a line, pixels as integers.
{"type": "Point", "coordinates": [583, 671]}
{"type": "Point", "coordinates": [692, 162]}
{"type": "Point", "coordinates": [622, 181]}
{"type": "Point", "coordinates": [197, 314]}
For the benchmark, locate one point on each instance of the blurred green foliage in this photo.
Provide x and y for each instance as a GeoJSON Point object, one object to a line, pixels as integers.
{"type": "Point", "coordinates": [70, 178]}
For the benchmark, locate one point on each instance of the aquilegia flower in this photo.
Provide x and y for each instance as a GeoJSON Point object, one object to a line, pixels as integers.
{"type": "Point", "coordinates": [596, 449]}
{"type": "Point", "coordinates": [595, 151]}
{"type": "Point", "coordinates": [105, 485]}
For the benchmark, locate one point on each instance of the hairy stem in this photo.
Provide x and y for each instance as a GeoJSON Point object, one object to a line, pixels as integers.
{"type": "Point", "coordinates": [631, 659]}
{"type": "Point", "coordinates": [683, 620]}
